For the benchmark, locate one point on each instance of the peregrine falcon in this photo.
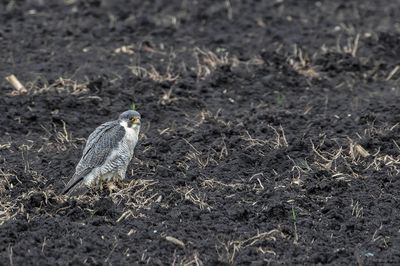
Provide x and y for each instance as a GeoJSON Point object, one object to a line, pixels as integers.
{"type": "Point", "coordinates": [107, 153]}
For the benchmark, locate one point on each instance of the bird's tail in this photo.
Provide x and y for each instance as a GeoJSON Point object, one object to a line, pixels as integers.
{"type": "Point", "coordinates": [74, 183]}
{"type": "Point", "coordinates": [70, 187]}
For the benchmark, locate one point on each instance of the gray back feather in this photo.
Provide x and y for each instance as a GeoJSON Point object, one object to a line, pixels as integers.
{"type": "Point", "coordinates": [100, 144]}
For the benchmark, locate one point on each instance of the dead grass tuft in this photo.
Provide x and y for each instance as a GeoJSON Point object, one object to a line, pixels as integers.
{"type": "Point", "coordinates": [59, 138]}
{"type": "Point", "coordinates": [352, 160]}
{"type": "Point", "coordinates": [350, 46]}
{"type": "Point", "coordinates": [214, 184]}
{"type": "Point", "coordinates": [135, 195]}
{"type": "Point", "coordinates": [301, 63]}
{"type": "Point", "coordinates": [208, 61]}
{"type": "Point", "coordinates": [153, 74]}
{"type": "Point", "coordinates": [227, 251]}
{"type": "Point", "coordinates": [9, 210]}
{"type": "Point", "coordinates": [190, 194]}
{"type": "Point", "coordinates": [187, 260]}
{"type": "Point", "coordinates": [356, 209]}
{"type": "Point", "coordinates": [277, 141]}
{"type": "Point", "coordinates": [60, 85]}
{"type": "Point", "coordinates": [200, 62]}
{"type": "Point", "coordinates": [336, 161]}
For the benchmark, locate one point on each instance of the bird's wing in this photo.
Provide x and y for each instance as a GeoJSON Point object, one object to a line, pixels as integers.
{"type": "Point", "coordinates": [97, 133]}
{"type": "Point", "coordinates": [98, 147]}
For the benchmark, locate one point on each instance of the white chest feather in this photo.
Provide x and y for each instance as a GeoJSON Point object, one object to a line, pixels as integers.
{"type": "Point", "coordinates": [131, 135]}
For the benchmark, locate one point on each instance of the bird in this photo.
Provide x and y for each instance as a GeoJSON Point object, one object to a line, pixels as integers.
{"type": "Point", "coordinates": [107, 153]}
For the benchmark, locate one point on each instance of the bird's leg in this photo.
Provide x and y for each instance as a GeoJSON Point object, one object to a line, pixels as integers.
{"type": "Point", "coordinates": [113, 183]}
{"type": "Point", "coordinates": [111, 187]}
{"type": "Point", "coordinates": [122, 173]}
{"type": "Point", "coordinates": [99, 184]}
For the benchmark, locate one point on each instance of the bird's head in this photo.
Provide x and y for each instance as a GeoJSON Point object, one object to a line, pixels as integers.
{"type": "Point", "coordinates": [132, 119]}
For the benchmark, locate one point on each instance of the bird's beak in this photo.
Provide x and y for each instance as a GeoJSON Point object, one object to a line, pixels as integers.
{"type": "Point", "coordinates": [136, 121]}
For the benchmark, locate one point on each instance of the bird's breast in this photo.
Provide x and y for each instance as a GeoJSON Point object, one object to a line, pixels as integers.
{"type": "Point", "coordinates": [131, 134]}
{"type": "Point", "coordinates": [131, 138]}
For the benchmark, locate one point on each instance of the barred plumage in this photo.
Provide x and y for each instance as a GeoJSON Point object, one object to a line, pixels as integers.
{"type": "Point", "coordinates": [108, 151]}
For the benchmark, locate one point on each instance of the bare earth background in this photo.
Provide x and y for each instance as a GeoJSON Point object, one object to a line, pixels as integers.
{"type": "Point", "coordinates": [271, 131]}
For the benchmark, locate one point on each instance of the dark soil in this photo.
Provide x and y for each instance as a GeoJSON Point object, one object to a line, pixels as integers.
{"type": "Point", "coordinates": [271, 131]}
